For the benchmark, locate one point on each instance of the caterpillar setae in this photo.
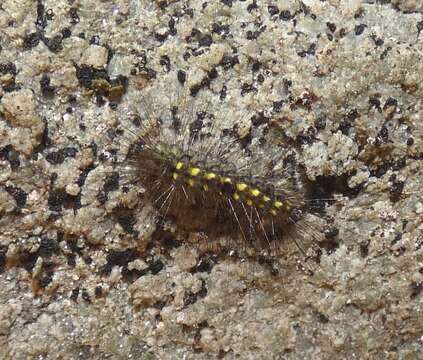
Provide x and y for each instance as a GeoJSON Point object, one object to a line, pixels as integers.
{"type": "Point", "coordinates": [198, 172]}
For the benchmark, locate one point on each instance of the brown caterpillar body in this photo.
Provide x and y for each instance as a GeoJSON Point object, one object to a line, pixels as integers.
{"type": "Point", "coordinates": [205, 181]}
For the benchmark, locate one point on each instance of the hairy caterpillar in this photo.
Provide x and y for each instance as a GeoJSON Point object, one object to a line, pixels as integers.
{"type": "Point", "coordinates": [201, 174]}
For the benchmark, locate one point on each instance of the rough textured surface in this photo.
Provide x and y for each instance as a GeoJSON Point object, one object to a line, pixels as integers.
{"type": "Point", "coordinates": [81, 280]}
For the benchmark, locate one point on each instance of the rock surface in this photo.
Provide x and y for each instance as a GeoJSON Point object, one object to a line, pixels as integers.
{"type": "Point", "coordinates": [81, 279]}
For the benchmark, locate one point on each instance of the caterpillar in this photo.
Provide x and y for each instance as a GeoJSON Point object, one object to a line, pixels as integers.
{"type": "Point", "coordinates": [198, 172]}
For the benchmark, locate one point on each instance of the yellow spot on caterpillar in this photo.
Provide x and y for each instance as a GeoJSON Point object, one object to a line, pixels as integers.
{"type": "Point", "coordinates": [194, 171]}
{"type": "Point", "coordinates": [241, 186]}
{"type": "Point", "coordinates": [288, 205]}
{"type": "Point", "coordinates": [265, 198]}
{"type": "Point", "coordinates": [277, 204]}
{"type": "Point", "coordinates": [210, 176]}
{"type": "Point", "coordinates": [205, 187]}
{"type": "Point", "coordinates": [249, 202]}
{"type": "Point", "coordinates": [179, 165]}
{"type": "Point", "coordinates": [255, 192]}
{"type": "Point", "coordinates": [273, 212]}
{"type": "Point", "coordinates": [225, 180]}
{"type": "Point", "coordinates": [236, 196]}
{"type": "Point", "coordinates": [175, 176]}
{"type": "Point", "coordinates": [190, 182]}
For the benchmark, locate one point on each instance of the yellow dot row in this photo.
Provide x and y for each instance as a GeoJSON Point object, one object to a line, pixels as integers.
{"type": "Point", "coordinates": [241, 187]}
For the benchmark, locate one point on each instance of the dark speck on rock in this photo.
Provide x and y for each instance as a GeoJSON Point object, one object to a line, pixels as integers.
{"type": "Point", "coordinates": [253, 6]}
{"type": "Point", "coordinates": [66, 33]}
{"type": "Point", "coordinates": [85, 296]}
{"type": "Point", "coordinates": [30, 41]}
{"type": "Point", "coordinates": [56, 200]}
{"type": "Point", "coordinates": [54, 44]}
{"type": "Point", "coordinates": [74, 294]}
{"type": "Point", "coordinates": [359, 29]}
{"type": "Point", "coordinates": [222, 30]}
{"type": "Point", "coordinates": [156, 267]}
{"type": "Point", "coordinates": [46, 89]}
{"type": "Point", "coordinates": [331, 26]}
{"type": "Point", "coordinates": [285, 15]}
{"type": "Point", "coordinates": [48, 247]}
{"type": "Point", "coordinates": [374, 102]}
{"type": "Point", "coordinates": [378, 41]}
{"type": "Point", "coordinates": [18, 195]}
{"type": "Point", "coordinates": [416, 289]}
{"type": "Point", "coordinates": [8, 68]}
{"type": "Point", "coordinates": [227, 2]}
{"type": "Point", "coordinates": [127, 221]}
{"type": "Point", "coordinates": [118, 258]}
{"type": "Point", "coordinates": [161, 37]}
{"type": "Point", "coordinates": [73, 14]}
{"type": "Point", "coordinates": [273, 10]}
{"type": "Point", "coordinates": [165, 62]}
{"type": "Point", "coordinates": [228, 62]}
{"type": "Point", "coordinates": [112, 182]}
{"type": "Point", "coordinates": [396, 190]}
{"type": "Point", "coordinates": [9, 153]}
{"type": "Point", "coordinates": [206, 40]}
{"type": "Point", "coordinates": [55, 157]}
{"type": "Point", "coordinates": [181, 76]}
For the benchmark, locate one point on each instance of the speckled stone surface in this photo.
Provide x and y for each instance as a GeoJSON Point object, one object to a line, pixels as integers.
{"type": "Point", "coordinates": [82, 279]}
